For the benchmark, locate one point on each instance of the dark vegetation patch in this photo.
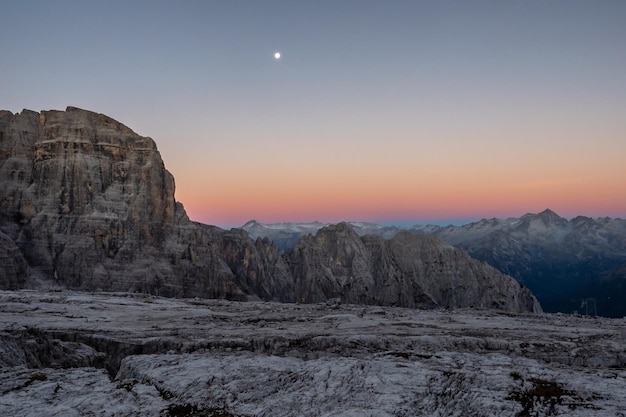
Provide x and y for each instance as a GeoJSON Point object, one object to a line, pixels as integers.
{"type": "Point", "coordinates": [190, 410]}
{"type": "Point", "coordinates": [543, 397]}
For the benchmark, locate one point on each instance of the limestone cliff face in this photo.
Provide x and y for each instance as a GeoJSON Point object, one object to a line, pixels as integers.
{"type": "Point", "coordinates": [91, 206]}
{"type": "Point", "coordinates": [86, 185]}
{"type": "Point", "coordinates": [76, 199]}
{"type": "Point", "coordinates": [87, 204]}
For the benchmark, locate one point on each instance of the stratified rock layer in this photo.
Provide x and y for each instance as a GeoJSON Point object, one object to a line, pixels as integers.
{"type": "Point", "coordinates": [86, 203]}
{"type": "Point", "coordinates": [91, 206]}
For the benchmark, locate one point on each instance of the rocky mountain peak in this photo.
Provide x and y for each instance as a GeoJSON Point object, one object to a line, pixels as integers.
{"type": "Point", "coordinates": [250, 224]}
{"type": "Point", "coordinates": [545, 223]}
{"type": "Point", "coordinates": [79, 190]}
{"type": "Point", "coordinates": [340, 231]}
{"type": "Point", "coordinates": [408, 270]}
{"type": "Point", "coordinates": [550, 216]}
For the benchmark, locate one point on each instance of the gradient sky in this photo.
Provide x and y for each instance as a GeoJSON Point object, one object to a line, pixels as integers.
{"type": "Point", "coordinates": [386, 111]}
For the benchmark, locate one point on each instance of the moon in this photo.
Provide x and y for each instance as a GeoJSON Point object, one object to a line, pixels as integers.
{"type": "Point", "coordinates": [277, 55]}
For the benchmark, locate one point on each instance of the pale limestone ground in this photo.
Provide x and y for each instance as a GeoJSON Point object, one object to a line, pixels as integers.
{"type": "Point", "coordinates": [205, 357]}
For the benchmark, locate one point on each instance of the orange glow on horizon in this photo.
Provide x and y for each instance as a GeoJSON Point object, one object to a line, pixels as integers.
{"type": "Point", "coordinates": [407, 180]}
{"type": "Point", "coordinates": [342, 202]}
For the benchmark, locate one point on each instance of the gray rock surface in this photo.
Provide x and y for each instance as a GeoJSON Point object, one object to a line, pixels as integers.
{"type": "Point", "coordinates": [87, 204]}
{"type": "Point", "coordinates": [13, 266]}
{"type": "Point", "coordinates": [407, 270]}
{"type": "Point", "coordinates": [133, 354]}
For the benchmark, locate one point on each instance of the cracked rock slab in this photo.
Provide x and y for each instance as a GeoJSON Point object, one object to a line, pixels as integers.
{"type": "Point", "coordinates": [128, 354]}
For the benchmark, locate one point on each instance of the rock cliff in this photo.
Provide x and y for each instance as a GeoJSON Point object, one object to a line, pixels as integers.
{"type": "Point", "coordinates": [407, 270]}
{"type": "Point", "coordinates": [87, 204]}
{"type": "Point", "coordinates": [91, 206]}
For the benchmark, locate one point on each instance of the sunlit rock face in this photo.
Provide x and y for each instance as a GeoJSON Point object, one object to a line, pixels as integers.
{"type": "Point", "coordinates": [89, 190]}
{"type": "Point", "coordinates": [91, 206]}
{"type": "Point", "coordinates": [87, 204]}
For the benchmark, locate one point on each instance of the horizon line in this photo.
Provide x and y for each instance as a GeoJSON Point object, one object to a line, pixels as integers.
{"type": "Point", "coordinates": [404, 223]}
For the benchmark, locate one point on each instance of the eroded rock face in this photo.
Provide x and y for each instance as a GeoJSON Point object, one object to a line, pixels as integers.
{"type": "Point", "coordinates": [91, 206]}
{"type": "Point", "coordinates": [87, 204]}
{"type": "Point", "coordinates": [13, 266]}
{"type": "Point", "coordinates": [407, 270]}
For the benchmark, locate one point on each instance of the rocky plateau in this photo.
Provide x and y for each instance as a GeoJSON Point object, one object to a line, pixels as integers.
{"type": "Point", "coordinates": [112, 354]}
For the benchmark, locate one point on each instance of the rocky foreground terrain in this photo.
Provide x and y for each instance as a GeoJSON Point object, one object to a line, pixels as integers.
{"type": "Point", "coordinates": [106, 354]}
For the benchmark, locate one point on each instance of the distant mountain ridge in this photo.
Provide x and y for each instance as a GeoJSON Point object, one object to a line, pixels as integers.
{"type": "Point", "coordinates": [286, 235]}
{"type": "Point", "coordinates": [563, 262]}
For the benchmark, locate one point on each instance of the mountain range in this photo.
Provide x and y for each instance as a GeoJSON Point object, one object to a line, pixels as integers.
{"type": "Point", "coordinates": [576, 265]}
{"type": "Point", "coordinates": [87, 204]}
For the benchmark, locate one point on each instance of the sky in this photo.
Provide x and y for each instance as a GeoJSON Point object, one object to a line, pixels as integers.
{"type": "Point", "coordinates": [396, 112]}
